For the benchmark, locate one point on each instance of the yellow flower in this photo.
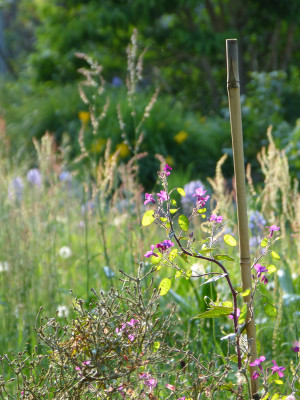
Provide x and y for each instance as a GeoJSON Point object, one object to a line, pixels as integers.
{"type": "Point", "coordinates": [84, 117]}
{"type": "Point", "coordinates": [181, 137]}
{"type": "Point", "coordinates": [124, 150]}
{"type": "Point", "coordinates": [98, 145]}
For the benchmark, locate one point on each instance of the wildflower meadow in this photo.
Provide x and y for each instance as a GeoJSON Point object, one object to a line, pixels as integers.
{"type": "Point", "coordinates": [122, 274]}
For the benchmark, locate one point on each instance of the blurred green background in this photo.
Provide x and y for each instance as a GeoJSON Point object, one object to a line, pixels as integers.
{"type": "Point", "coordinates": [185, 57]}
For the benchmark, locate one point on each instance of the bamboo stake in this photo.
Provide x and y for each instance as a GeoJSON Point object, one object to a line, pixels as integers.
{"type": "Point", "coordinates": [233, 87]}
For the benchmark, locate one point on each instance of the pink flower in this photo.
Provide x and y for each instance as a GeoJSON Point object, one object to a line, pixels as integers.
{"type": "Point", "coordinates": [201, 200]}
{"type": "Point", "coordinates": [162, 195]}
{"type": "Point", "coordinates": [255, 375]}
{"type": "Point", "coordinates": [238, 313]}
{"type": "Point", "coordinates": [151, 252]}
{"type": "Point", "coordinates": [277, 369]}
{"type": "Point", "coordinates": [260, 269]}
{"type": "Point", "coordinates": [214, 218]}
{"type": "Point", "coordinates": [167, 170]}
{"type": "Point", "coordinates": [171, 387]}
{"type": "Point", "coordinates": [149, 198]}
{"type": "Point", "coordinates": [264, 279]}
{"type": "Point", "coordinates": [257, 363]}
{"type": "Point", "coordinates": [272, 229]}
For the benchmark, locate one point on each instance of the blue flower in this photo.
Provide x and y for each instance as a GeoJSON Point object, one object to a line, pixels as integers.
{"type": "Point", "coordinates": [34, 177]}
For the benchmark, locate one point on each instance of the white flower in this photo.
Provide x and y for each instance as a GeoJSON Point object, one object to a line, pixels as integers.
{"type": "Point", "coordinates": [197, 269]}
{"type": "Point", "coordinates": [294, 275]}
{"type": "Point", "coordinates": [280, 272]}
{"type": "Point", "coordinates": [62, 311]}
{"type": "Point", "coordinates": [65, 252]}
{"type": "Point", "coordinates": [4, 266]}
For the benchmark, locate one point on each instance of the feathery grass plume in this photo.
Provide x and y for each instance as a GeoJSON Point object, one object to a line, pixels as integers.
{"type": "Point", "coordinates": [222, 196]}
{"type": "Point", "coordinates": [49, 159]}
{"type": "Point", "coordinates": [250, 181]}
{"type": "Point", "coordinates": [276, 194]}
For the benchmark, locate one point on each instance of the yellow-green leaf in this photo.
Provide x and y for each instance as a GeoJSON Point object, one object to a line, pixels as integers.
{"type": "Point", "coordinates": [163, 219]}
{"type": "Point", "coordinates": [270, 310]}
{"type": "Point", "coordinates": [230, 240]}
{"type": "Point", "coordinates": [188, 274]}
{"type": "Point", "coordinates": [275, 255]}
{"type": "Point", "coordinates": [158, 267]}
{"type": "Point", "coordinates": [243, 314]}
{"type": "Point", "coordinates": [223, 257]}
{"type": "Point", "coordinates": [155, 259]}
{"type": "Point", "coordinates": [202, 210]}
{"type": "Point", "coordinates": [264, 242]}
{"type": "Point", "coordinates": [173, 210]}
{"type": "Point", "coordinates": [173, 202]}
{"type": "Point", "coordinates": [271, 268]}
{"type": "Point", "coordinates": [278, 381]}
{"type": "Point", "coordinates": [183, 222]}
{"type": "Point", "coordinates": [227, 304]}
{"type": "Point", "coordinates": [164, 286]}
{"type": "Point", "coordinates": [265, 397]}
{"type": "Point", "coordinates": [181, 191]}
{"type": "Point", "coordinates": [148, 218]}
{"type": "Point", "coordinates": [246, 293]}
{"type": "Point", "coordinates": [275, 396]}
{"type": "Point", "coordinates": [173, 254]}
{"type": "Point", "coordinates": [156, 346]}
{"type": "Point", "coordinates": [214, 312]}
{"type": "Point", "coordinates": [178, 273]}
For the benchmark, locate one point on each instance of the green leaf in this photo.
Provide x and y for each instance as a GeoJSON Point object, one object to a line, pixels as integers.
{"type": "Point", "coordinates": [230, 240]}
{"type": "Point", "coordinates": [178, 273]}
{"type": "Point", "coordinates": [239, 289]}
{"type": "Point", "coordinates": [223, 257]}
{"type": "Point", "coordinates": [158, 267]}
{"type": "Point", "coordinates": [148, 218]}
{"type": "Point", "coordinates": [207, 250]}
{"type": "Point", "coordinates": [181, 191]}
{"type": "Point", "coordinates": [173, 202]}
{"type": "Point", "coordinates": [246, 293]}
{"type": "Point", "coordinates": [184, 258]}
{"type": "Point", "coordinates": [201, 211]}
{"type": "Point", "coordinates": [278, 381]}
{"type": "Point", "coordinates": [264, 242]}
{"type": "Point", "coordinates": [163, 219]}
{"type": "Point", "coordinates": [164, 286]}
{"type": "Point", "coordinates": [243, 314]}
{"type": "Point", "coordinates": [156, 346]}
{"type": "Point", "coordinates": [173, 210]}
{"type": "Point", "coordinates": [270, 310]}
{"type": "Point", "coordinates": [155, 260]}
{"type": "Point", "coordinates": [173, 254]}
{"type": "Point", "coordinates": [183, 222]}
{"type": "Point", "coordinates": [213, 312]}
{"type": "Point", "coordinates": [275, 255]}
{"type": "Point", "coordinates": [271, 268]}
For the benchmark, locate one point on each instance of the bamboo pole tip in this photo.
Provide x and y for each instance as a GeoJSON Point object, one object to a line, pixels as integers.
{"type": "Point", "coordinates": [233, 79]}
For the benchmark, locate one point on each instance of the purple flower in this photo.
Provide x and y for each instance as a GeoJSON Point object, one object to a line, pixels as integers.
{"type": "Point", "coordinates": [216, 219]}
{"type": "Point", "coordinates": [151, 252]}
{"type": "Point", "coordinates": [167, 170]}
{"type": "Point", "coordinates": [34, 177]}
{"type": "Point", "coordinates": [65, 176]}
{"type": "Point", "coordinates": [238, 313]}
{"type": "Point", "coordinates": [260, 269]}
{"type": "Point", "coordinates": [277, 369]}
{"type": "Point", "coordinates": [272, 229]}
{"type": "Point", "coordinates": [257, 363]}
{"type": "Point", "coordinates": [163, 246]}
{"type": "Point", "coordinates": [15, 189]}
{"type": "Point", "coordinates": [296, 346]}
{"type": "Point", "coordinates": [149, 198]}
{"type": "Point", "coordinates": [162, 196]}
{"type": "Point", "coordinates": [116, 81]}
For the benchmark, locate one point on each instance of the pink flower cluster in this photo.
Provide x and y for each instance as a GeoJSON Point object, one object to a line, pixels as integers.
{"type": "Point", "coordinates": [162, 247]}
{"type": "Point", "coordinates": [260, 269]}
{"type": "Point", "coordinates": [124, 328]}
{"type": "Point", "coordinates": [201, 199]}
{"type": "Point", "coordinates": [275, 369]}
